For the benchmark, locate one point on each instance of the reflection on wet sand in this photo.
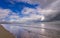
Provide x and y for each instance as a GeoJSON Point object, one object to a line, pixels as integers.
{"type": "Point", "coordinates": [43, 30]}
{"type": "Point", "coordinates": [4, 33]}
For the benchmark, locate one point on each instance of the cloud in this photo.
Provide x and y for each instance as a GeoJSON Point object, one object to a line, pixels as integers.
{"type": "Point", "coordinates": [42, 3]}
{"type": "Point", "coordinates": [55, 7]}
{"type": "Point", "coordinates": [48, 11]}
{"type": "Point", "coordinates": [4, 13]}
{"type": "Point", "coordinates": [27, 10]}
{"type": "Point", "coordinates": [39, 13]}
{"type": "Point", "coordinates": [32, 15]}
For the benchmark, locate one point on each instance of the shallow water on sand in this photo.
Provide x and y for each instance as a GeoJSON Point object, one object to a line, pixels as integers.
{"type": "Point", "coordinates": [39, 30]}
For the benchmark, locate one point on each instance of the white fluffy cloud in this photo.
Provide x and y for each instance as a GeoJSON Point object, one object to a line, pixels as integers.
{"type": "Point", "coordinates": [4, 13]}
{"type": "Point", "coordinates": [32, 15]}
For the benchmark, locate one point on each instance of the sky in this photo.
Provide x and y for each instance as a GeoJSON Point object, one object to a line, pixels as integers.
{"type": "Point", "coordinates": [28, 10]}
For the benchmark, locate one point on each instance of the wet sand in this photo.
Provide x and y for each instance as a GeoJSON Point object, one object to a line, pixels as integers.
{"type": "Point", "coordinates": [4, 33]}
{"type": "Point", "coordinates": [39, 30]}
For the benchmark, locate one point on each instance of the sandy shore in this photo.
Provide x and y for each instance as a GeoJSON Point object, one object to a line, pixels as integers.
{"type": "Point", "coordinates": [4, 33]}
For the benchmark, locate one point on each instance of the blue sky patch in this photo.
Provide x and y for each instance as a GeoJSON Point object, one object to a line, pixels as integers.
{"type": "Point", "coordinates": [17, 7]}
